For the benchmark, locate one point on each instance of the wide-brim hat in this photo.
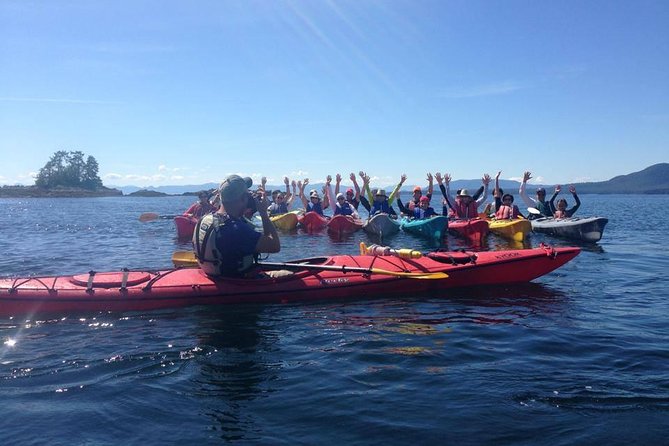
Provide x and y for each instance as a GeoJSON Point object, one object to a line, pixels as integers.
{"type": "Point", "coordinates": [234, 187]}
{"type": "Point", "coordinates": [463, 193]}
{"type": "Point", "coordinates": [381, 193]}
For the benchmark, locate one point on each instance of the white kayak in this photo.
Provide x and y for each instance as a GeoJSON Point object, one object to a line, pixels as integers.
{"type": "Point", "coordinates": [589, 229]}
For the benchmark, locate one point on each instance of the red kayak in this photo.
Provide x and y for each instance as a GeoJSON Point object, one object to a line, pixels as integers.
{"type": "Point", "coordinates": [344, 224]}
{"type": "Point", "coordinates": [336, 277]}
{"type": "Point", "coordinates": [185, 226]}
{"type": "Point", "coordinates": [312, 222]}
{"type": "Point", "coordinates": [474, 230]}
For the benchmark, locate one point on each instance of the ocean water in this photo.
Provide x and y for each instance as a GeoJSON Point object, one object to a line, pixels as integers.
{"type": "Point", "coordinates": [580, 356]}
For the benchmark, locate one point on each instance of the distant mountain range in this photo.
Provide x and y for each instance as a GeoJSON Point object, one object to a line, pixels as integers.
{"type": "Point", "coordinates": [651, 180]}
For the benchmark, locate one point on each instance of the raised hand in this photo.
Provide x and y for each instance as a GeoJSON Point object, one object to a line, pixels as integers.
{"type": "Point", "coordinates": [261, 200]}
{"type": "Point", "coordinates": [403, 178]}
{"type": "Point", "coordinates": [328, 179]}
{"type": "Point", "coordinates": [438, 177]}
{"type": "Point", "coordinates": [286, 181]}
{"type": "Point", "coordinates": [338, 178]}
{"type": "Point", "coordinates": [486, 179]}
{"type": "Point", "coordinates": [527, 176]}
{"type": "Point", "coordinates": [263, 181]}
{"type": "Point", "coordinates": [558, 188]}
{"type": "Point", "coordinates": [429, 177]}
{"type": "Point", "coordinates": [572, 189]}
{"type": "Point", "coordinates": [352, 177]}
{"type": "Point", "coordinates": [498, 174]}
{"type": "Point", "coordinates": [305, 182]}
{"type": "Point", "coordinates": [447, 178]}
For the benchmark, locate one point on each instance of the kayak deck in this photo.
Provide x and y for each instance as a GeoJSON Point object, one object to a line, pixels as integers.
{"type": "Point", "coordinates": [152, 290]}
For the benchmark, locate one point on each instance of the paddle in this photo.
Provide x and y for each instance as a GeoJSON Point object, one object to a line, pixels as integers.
{"type": "Point", "coordinates": [187, 259]}
{"type": "Point", "coordinates": [150, 216]}
{"type": "Point", "coordinates": [534, 211]}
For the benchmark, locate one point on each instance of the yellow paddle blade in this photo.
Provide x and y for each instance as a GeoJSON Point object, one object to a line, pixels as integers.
{"type": "Point", "coordinates": [437, 275]}
{"type": "Point", "coordinates": [184, 259]}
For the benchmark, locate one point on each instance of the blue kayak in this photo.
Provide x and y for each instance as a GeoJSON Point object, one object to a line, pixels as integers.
{"type": "Point", "coordinates": [434, 227]}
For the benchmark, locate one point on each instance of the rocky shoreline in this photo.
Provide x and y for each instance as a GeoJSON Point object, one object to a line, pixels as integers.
{"type": "Point", "coordinates": [56, 192]}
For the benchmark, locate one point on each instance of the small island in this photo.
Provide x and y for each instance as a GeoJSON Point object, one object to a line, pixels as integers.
{"type": "Point", "coordinates": [148, 193]}
{"type": "Point", "coordinates": [66, 174]}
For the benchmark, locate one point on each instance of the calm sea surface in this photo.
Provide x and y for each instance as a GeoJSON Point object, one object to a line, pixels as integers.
{"type": "Point", "coordinates": [580, 356]}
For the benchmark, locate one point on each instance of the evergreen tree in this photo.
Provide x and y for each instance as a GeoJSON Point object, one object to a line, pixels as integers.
{"type": "Point", "coordinates": [70, 170]}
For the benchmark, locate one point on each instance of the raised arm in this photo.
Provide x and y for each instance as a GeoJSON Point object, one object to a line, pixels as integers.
{"type": "Point", "coordinates": [269, 240]}
{"type": "Point", "coordinates": [337, 182]}
{"type": "Point", "coordinates": [558, 188]}
{"type": "Point", "coordinates": [529, 202]}
{"type": "Point", "coordinates": [430, 185]}
{"type": "Point", "coordinates": [496, 194]}
{"type": "Point", "coordinates": [365, 187]}
{"type": "Point", "coordinates": [327, 193]}
{"type": "Point", "coordinates": [404, 210]}
{"type": "Point", "coordinates": [302, 185]}
{"type": "Point", "coordinates": [403, 178]}
{"type": "Point", "coordinates": [356, 188]}
{"type": "Point", "coordinates": [486, 181]}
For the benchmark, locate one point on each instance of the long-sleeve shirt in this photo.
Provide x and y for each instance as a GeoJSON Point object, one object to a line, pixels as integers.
{"type": "Point", "coordinates": [543, 206]}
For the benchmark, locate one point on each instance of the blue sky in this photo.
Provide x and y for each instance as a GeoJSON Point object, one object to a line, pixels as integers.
{"type": "Point", "coordinates": [173, 92]}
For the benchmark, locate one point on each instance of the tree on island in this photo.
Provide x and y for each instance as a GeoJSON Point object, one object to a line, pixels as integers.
{"type": "Point", "coordinates": [68, 169]}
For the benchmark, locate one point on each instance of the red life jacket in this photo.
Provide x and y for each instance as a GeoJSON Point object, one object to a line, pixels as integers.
{"type": "Point", "coordinates": [463, 210]}
{"type": "Point", "coordinates": [507, 212]}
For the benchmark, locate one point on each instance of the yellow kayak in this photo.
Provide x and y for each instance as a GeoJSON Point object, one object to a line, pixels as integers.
{"type": "Point", "coordinates": [512, 229]}
{"type": "Point", "coordinates": [285, 222]}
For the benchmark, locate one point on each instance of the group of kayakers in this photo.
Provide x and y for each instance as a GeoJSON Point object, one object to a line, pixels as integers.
{"type": "Point", "coordinates": [462, 205]}
{"type": "Point", "coordinates": [226, 244]}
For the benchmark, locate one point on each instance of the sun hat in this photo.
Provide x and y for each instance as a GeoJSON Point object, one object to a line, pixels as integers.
{"type": "Point", "coordinates": [417, 189]}
{"type": "Point", "coordinates": [340, 195]}
{"type": "Point", "coordinates": [463, 193]}
{"type": "Point", "coordinates": [381, 193]}
{"type": "Point", "coordinates": [349, 191]}
{"type": "Point", "coordinates": [314, 194]}
{"type": "Point", "coordinates": [424, 199]}
{"type": "Point", "coordinates": [541, 190]}
{"type": "Point", "coordinates": [234, 187]}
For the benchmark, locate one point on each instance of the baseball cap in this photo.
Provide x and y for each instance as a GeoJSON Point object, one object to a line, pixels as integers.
{"type": "Point", "coordinates": [234, 187]}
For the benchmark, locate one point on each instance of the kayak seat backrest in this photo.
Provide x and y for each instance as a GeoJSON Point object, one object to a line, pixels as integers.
{"type": "Point", "coordinates": [453, 258]}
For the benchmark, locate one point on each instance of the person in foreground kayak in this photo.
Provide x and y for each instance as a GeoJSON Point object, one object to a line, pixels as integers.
{"type": "Point", "coordinates": [202, 207]}
{"type": "Point", "coordinates": [225, 243]}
